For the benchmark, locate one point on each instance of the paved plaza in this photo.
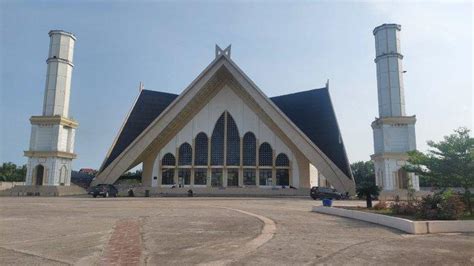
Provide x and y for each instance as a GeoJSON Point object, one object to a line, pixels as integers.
{"type": "Point", "coordinates": [214, 231]}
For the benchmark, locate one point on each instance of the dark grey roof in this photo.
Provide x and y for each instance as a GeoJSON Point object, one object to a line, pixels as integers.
{"type": "Point", "coordinates": [149, 106]}
{"type": "Point", "coordinates": [312, 112]}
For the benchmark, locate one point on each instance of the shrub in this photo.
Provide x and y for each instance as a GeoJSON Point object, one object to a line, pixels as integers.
{"type": "Point", "coordinates": [381, 205]}
{"type": "Point", "coordinates": [404, 208]}
{"type": "Point", "coordinates": [441, 206]}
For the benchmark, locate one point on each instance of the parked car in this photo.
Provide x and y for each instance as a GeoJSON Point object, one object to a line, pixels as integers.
{"type": "Point", "coordinates": [324, 193]}
{"type": "Point", "coordinates": [104, 190]}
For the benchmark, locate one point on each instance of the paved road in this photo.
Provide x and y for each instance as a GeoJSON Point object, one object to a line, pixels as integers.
{"type": "Point", "coordinates": [212, 231]}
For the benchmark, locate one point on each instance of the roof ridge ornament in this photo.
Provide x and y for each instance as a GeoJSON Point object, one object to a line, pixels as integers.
{"type": "Point", "coordinates": [225, 52]}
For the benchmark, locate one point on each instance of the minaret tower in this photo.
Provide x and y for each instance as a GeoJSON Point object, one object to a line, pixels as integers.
{"type": "Point", "coordinates": [394, 131]}
{"type": "Point", "coordinates": [52, 134]}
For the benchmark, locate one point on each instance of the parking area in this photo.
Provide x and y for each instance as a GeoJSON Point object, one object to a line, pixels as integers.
{"type": "Point", "coordinates": [282, 231]}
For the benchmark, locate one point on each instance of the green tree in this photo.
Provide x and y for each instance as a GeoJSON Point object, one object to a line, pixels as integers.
{"type": "Point", "coordinates": [363, 172]}
{"type": "Point", "coordinates": [368, 191]}
{"type": "Point", "coordinates": [448, 163]}
{"type": "Point", "coordinates": [12, 173]}
{"type": "Point", "coordinates": [364, 177]}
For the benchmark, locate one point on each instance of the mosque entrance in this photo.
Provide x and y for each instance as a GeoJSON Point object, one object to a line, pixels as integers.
{"type": "Point", "coordinates": [39, 175]}
{"type": "Point", "coordinates": [402, 179]}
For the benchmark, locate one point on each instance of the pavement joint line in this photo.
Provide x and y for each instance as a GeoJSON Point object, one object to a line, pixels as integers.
{"type": "Point", "coordinates": [35, 255]}
{"type": "Point", "coordinates": [266, 234]}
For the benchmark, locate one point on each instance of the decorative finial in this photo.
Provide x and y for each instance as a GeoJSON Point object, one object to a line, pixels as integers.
{"type": "Point", "coordinates": [141, 86]}
{"type": "Point", "coordinates": [225, 52]}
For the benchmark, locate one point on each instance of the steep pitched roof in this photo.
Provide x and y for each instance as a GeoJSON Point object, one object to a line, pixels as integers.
{"type": "Point", "coordinates": [312, 112]}
{"type": "Point", "coordinates": [147, 108]}
{"type": "Point", "coordinates": [221, 70]}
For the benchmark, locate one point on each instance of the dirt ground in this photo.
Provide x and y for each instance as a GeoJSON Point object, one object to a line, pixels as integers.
{"type": "Point", "coordinates": [214, 231]}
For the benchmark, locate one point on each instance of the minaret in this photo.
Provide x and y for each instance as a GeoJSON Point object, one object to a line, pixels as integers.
{"type": "Point", "coordinates": [394, 132]}
{"type": "Point", "coordinates": [52, 134]}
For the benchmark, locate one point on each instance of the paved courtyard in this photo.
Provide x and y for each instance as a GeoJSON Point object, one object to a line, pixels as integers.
{"type": "Point", "coordinates": [216, 231]}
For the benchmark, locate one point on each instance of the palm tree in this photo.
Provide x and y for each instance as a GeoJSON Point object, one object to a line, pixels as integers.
{"type": "Point", "coordinates": [367, 190]}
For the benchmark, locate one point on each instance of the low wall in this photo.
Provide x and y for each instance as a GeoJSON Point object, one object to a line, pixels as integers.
{"type": "Point", "coordinates": [48, 191]}
{"type": "Point", "coordinates": [405, 225]}
{"type": "Point", "coordinates": [7, 185]}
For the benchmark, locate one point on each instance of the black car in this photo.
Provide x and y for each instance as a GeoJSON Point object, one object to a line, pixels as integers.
{"type": "Point", "coordinates": [104, 190]}
{"type": "Point", "coordinates": [324, 193]}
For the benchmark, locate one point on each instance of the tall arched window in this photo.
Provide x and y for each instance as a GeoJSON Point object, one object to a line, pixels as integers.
{"type": "Point", "coordinates": [185, 154]}
{"type": "Point", "coordinates": [200, 149]}
{"type": "Point", "coordinates": [282, 164]}
{"type": "Point", "coordinates": [168, 162]}
{"type": "Point", "coordinates": [249, 149]}
{"type": "Point", "coordinates": [217, 142]}
{"type": "Point", "coordinates": [265, 155]}
{"type": "Point", "coordinates": [233, 142]}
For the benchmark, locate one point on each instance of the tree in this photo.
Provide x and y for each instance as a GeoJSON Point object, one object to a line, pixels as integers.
{"type": "Point", "coordinates": [367, 190]}
{"type": "Point", "coordinates": [364, 177]}
{"type": "Point", "coordinates": [363, 172]}
{"type": "Point", "coordinates": [448, 163]}
{"type": "Point", "coordinates": [12, 173]}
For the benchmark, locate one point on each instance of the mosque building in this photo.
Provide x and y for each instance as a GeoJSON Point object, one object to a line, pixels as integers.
{"type": "Point", "coordinates": [223, 131]}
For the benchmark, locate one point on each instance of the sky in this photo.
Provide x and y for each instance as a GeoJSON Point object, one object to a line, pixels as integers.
{"type": "Point", "coordinates": [284, 47]}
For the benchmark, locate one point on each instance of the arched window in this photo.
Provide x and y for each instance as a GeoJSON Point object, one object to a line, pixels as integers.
{"type": "Point", "coordinates": [249, 149]}
{"type": "Point", "coordinates": [282, 172]}
{"type": "Point", "coordinates": [282, 160]}
{"type": "Point", "coordinates": [185, 154]}
{"type": "Point", "coordinates": [168, 160]}
{"type": "Point", "coordinates": [167, 173]}
{"type": "Point", "coordinates": [233, 142]}
{"type": "Point", "coordinates": [217, 142]}
{"type": "Point", "coordinates": [62, 176]}
{"type": "Point", "coordinates": [200, 149]}
{"type": "Point", "coordinates": [265, 155]}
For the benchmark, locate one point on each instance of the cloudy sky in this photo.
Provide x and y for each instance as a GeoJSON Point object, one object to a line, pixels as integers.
{"type": "Point", "coordinates": [283, 47]}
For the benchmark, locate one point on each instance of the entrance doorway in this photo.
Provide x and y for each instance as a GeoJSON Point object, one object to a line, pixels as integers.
{"type": "Point", "coordinates": [39, 175]}
{"type": "Point", "coordinates": [402, 179]}
{"type": "Point", "coordinates": [232, 177]}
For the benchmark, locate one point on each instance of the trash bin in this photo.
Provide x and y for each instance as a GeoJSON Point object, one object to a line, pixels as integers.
{"type": "Point", "coordinates": [147, 193]}
{"type": "Point", "coordinates": [327, 202]}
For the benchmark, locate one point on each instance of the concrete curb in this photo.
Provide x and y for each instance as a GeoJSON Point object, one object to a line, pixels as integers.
{"type": "Point", "coordinates": [405, 225]}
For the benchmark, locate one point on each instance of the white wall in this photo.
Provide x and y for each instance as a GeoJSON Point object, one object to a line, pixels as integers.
{"type": "Point", "coordinates": [245, 119]}
{"type": "Point", "coordinates": [52, 167]}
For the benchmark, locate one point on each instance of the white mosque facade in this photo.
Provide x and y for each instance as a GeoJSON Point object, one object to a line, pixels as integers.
{"type": "Point", "coordinates": [222, 132]}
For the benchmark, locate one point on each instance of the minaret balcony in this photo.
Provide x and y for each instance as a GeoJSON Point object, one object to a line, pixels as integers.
{"type": "Point", "coordinates": [54, 120]}
{"type": "Point", "coordinates": [46, 154]}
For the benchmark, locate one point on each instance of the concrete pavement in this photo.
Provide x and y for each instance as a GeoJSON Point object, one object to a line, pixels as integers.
{"type": "Point", "coordinates": [216, 231]}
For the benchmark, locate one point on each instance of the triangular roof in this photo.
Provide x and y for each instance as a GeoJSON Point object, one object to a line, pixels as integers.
{"type": "Point", "coordinates": [313, 113]}
{"type": "Point", "coordinates": [318, 130]}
